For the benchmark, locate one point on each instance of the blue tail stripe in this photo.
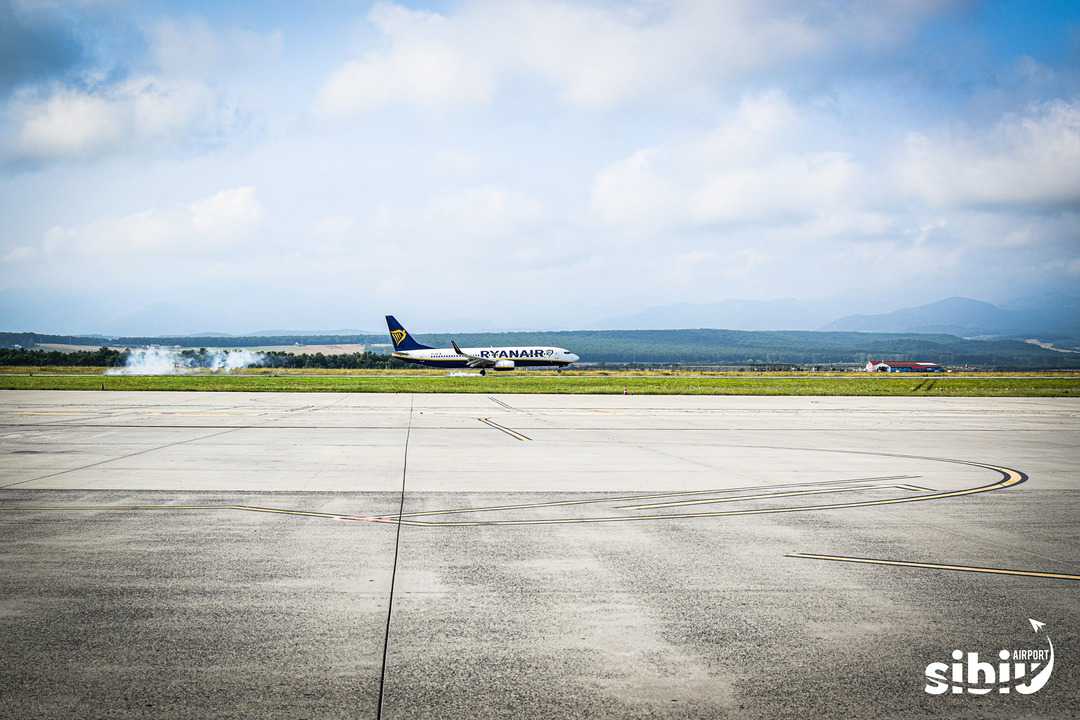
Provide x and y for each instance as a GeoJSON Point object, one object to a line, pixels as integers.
{"type": "Point", "coordinates": [400, 336]}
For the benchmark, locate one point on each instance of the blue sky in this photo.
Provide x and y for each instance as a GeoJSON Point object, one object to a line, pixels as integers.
{"type": "Point", "coordinates": [186, 167]}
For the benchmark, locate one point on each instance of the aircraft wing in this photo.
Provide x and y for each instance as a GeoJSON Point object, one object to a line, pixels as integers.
{"type": "Point", "coordinates": [473, 360]}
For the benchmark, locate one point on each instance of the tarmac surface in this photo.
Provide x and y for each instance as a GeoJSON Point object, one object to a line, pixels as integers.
{"type": "Point", "coordinates": [239, 555]}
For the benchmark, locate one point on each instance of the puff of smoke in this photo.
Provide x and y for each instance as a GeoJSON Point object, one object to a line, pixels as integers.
{"type": "Point", "coordinates": [162, 361]}
{"type": "Point", "coordinates": [229, 360]}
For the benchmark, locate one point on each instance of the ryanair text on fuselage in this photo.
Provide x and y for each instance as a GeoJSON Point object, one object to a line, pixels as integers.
{"type": "Point", "coordinates": [496, 358]}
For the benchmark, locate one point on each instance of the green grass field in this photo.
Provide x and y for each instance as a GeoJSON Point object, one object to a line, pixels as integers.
{"type": "Point", "coordinates": [610, 384]}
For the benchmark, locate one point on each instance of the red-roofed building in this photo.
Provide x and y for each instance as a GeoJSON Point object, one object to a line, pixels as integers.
{"type": "Point", "coordinates": [902, 366]}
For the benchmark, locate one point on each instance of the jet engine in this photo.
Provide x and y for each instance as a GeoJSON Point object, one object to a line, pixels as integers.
{"type": "Point", "coordinates": [504, 364]}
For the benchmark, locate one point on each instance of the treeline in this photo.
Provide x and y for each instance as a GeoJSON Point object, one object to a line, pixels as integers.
{"type": "Point", "coordinates": [203, 358]}
{"type": "Point", "coordinates": [200, 358]}
{"type": "Point", "coordinates": [102, 357]}
{"type": "Point", "coordinates": [346, 361]}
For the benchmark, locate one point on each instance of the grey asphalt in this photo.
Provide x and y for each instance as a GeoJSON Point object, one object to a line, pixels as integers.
{"type": "Point", "coordinates": [546, 592]}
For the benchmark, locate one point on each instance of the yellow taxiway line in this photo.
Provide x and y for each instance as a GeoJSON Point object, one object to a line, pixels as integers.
{"type": "Point", "coordinates": [759, 496]}
{"type": "Point", "coordinates": [634, 498]}
{"type": "Point", "coordinates": [1009, 478]}
{"type": "Point", "coordinates": [938, 566]}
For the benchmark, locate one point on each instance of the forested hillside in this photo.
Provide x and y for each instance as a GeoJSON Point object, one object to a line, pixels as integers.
{"type": "Point", "coordinates": [726, 347]}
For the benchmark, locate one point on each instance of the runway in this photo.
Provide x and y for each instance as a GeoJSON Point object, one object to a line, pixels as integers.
{"type": "Point", "coordinates": [235, 554]}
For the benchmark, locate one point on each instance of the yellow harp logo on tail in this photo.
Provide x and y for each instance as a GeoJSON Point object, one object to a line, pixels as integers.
{"type": "Point", "coordinates": [398, 335]}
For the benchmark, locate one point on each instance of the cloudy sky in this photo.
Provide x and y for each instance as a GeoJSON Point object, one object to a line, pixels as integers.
{"type": "Point", "coordinates": [187, 167]}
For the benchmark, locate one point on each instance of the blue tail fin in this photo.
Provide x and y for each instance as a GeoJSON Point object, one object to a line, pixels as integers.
{"type": "Point", "coordinates": [401, 337]}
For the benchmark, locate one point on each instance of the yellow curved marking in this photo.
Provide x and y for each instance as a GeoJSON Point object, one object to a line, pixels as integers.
{"type": "Point", "coordinates": [758, 496]}
{"type": "Point", "coordinates": [634, 498]}
{"type": "Point", "coordinates": [1010, 478]}
{"type": "Point", "coordinates": [938, 566]}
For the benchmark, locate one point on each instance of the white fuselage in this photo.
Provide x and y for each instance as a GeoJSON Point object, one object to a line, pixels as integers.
{"type": "Point", "coordinates": [500, 358]}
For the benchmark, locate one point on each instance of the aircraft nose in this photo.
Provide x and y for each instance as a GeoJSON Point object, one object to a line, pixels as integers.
{"type": "Point", "coordinates": [573, 357]}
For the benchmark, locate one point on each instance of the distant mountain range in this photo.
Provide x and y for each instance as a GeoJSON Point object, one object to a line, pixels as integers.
{"type": "Point", "coordinates": [1050, 315]}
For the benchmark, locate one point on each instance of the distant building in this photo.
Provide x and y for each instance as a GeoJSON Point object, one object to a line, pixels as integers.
{"type": "Point", "coordinates": [902, 366]}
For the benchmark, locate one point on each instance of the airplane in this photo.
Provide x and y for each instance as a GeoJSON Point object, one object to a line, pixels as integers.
{"type": "Point", "coordinates": [492, 358]}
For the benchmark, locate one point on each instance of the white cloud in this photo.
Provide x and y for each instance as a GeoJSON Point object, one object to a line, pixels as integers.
{"type": "Point", "coordinates": [178, 94]}
{"type": "Point", "coordinates": [752, 168]}
{"type": "Point", "coordinates": [209, 225]}
{"type": "Point", "coordinates": [481, 213]}
{"type": "Point", "coordinates": [334, 226]}
{"type": "Point", "coordinates": [19, 253]}
{"type": "Point", "coordinates": [426, 64]}
{"type": "Point", "coordinates": [488, 211]}
{"type": "Point", "coordinates": [69, 123]}
{"type": "Point", "coordinates": [710, 267]}
{"type": "Point", "coordinates": [66, 123]}
{"type": "Point", "coordinates": [796, 186]}
{"type": "Point", "coordinates": [455, 163]}
{"type": "Point", "coordinates": [227, 214]}
{"type": "Point", "coordinates": [593, 55]}
{"type": "Point", "coordinates": [602, 56]}
{"type": "Point", "coordinates": [635, 191]}
{"type": "Point", "coordinates": [1027, 158]}
{"type": "Point", "coordinates": [191, 48]}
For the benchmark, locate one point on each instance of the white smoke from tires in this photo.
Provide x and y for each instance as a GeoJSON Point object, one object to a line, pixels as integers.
{"type": "Point", "coordinates": [164, 361]}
